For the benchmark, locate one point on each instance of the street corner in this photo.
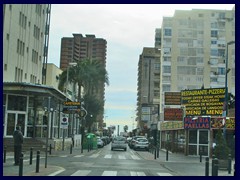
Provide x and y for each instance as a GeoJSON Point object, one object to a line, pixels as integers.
{"type": "Point", "coordinates": [49, 171]}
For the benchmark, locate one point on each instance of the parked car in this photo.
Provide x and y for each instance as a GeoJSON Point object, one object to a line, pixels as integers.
{"type": "Point", "coordinates": [119, 142]}
{"type": "Point", "coordinates": [141, 143]}
{"type": "Point", "coordinates": [133, 140]}
{"type": "Point", "coordinates": [100, 143]}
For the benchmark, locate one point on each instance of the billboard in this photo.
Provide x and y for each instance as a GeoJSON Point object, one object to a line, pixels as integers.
{"type": "Point", "coordinates": [172, 98]}
{"type": "Point", "coordinates": [203, 102]}
{"type": "Point", "coordinates": [173, 114]}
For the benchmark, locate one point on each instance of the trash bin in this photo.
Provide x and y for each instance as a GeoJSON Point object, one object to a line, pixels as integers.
{"type": "Point", "coordinates": [90, 140]}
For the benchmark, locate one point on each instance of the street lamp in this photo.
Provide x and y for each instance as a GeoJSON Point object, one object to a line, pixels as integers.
{"type": "Point", "coordinates": [225, 107]}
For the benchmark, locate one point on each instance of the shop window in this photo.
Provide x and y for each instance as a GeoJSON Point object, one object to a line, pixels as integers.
{"type": "Point", "coordinates": [17, 103]}
{"type": "Point", "coordinates": [193, 137]}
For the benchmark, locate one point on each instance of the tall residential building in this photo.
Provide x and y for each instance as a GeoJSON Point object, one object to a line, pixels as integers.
{"type": "Point", "coordinates": [23, 42]}
{"type": "Point", "coordinates": [148, 87]}
{"type": "Point", "coordinates": [194, 45]}
{"type": "Point", "coordinates": [78, 47]}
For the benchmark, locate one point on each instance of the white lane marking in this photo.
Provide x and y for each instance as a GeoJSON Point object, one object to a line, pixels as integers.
{"type": "Point", "coordinates": [57, 172]}
{"type": "Point", "coordinates": [81, 173]}
{"type": "Point", "coordinates": [121, 157]}
{"type": "Point", "coordinates": [164, 174]}
{"type": "Point", "coordinates": [108, 156]}
{"type": "Point", "coordinates": [135, 157]}
{"type": "Point", "coordinates": [79, 156]}
{"type": "Point", "coordinates": [64, 156]}
{"type": "Point", "coordinates": [134, 173]}
{"type": "Point", "coordinates": [109, 173]}
{"type": "Point", "coordinates": [94, 155]}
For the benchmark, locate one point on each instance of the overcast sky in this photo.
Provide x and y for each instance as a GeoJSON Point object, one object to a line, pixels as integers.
{"type": "Point", "coordinates": [127, 29]}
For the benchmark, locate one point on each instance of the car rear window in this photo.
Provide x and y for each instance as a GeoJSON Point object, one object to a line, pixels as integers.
{"type": "Point", "coordinates": [119, 139]}
{"type": "Point", "coordinates": [142, 140]}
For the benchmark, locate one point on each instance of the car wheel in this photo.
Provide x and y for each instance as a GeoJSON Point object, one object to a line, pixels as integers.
{"type": "Point", "coordinates": [125, 149]}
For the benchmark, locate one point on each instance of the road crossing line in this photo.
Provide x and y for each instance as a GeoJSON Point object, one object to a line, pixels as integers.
{"type": "Point", "coordinates": [164, 174]}
{"type": "Point", "coordinates": [108, 156]}
{"type": "Point", "coordinates": [78, 156]}
{"type": "Point", "coordinates": [109, 173]}
{"type": "Point", "coordinates": [81, 173]}
{"type": "Point", "coordinates": [134, 173]}
{"type": "Point", "coordinates": [56, 173]}
{"type": "Point", "coordinates": [94, 155]}
{"type": "Point", "coordinates": [121, 157]}
{"type": "Point", "coordinates": [135, 157]}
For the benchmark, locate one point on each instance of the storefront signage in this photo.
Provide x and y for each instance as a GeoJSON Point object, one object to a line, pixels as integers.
{"type": "Point", "coordinates": [171, 125]}
{"type": "Point", "coordinates": [71, 107]}
{"type": "Point", "coordinates": [219, 122]}
{"type": "Point", "coordinates": [173, 114]}
{"type": "Point", "coordinates": [203, 102]}
{"type": "Point", "coordinates": [197, 123]}
{"type": "Point", "coordinates": [172, 98]}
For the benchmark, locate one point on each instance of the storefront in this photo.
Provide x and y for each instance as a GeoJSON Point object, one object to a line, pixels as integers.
{"type": "Point", "coordinates": [32, 106]}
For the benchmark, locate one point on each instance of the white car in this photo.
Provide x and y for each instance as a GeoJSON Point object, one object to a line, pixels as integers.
{"type": "Point", "coordinates": [141, 143]}
{"type": "Point", "coordinates": [100, 143]}
{"type": "Point", "coordinates": [119, 142]}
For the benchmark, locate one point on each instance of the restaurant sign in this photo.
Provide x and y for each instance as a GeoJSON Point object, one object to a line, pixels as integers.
{"type": "Point", "coordinates": [197, 123]}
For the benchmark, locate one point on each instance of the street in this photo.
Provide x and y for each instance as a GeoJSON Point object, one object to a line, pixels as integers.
{"type": "Point", "coordinates": [105, 162]}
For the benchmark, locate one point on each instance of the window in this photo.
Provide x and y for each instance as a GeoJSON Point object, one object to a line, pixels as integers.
{"type": "Point", "coordinates": [214, 33]}
{"type": "Point", "coordinates": [157, 66]}
{"type": "Point", "coordinates": [214, 52]}
{"type": "Point", "coordinates": [7, 36]}
{"type": "Point", "coordinates": [166, 88]}
{"type": "Point", "coordinates": [221, 71]}
{"type": "Point", "coordinates": [166, 69]}
{"type": "Point", "coordinates": [17, 103]}
{"type": "Point", "coordinates": [167, 32]}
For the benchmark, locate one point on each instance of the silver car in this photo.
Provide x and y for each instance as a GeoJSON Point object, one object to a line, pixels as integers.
{"type": "Point", "coordinates": [119, 142]}
{"type": "Point", "coordinates": [141, 143]}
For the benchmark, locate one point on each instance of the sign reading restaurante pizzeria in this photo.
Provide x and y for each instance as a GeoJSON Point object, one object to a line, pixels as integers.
{"type": "Point", "coordinates": [203, 102]}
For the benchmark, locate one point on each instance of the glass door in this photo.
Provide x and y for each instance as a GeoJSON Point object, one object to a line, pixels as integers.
{"type": "Point", "coordinates": [13, 120]}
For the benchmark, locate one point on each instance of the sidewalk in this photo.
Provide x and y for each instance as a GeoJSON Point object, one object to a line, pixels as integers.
{"type": "Point", "coordinates": [30, 170]}
{"type": "Point", "coordinates": [180, 164]}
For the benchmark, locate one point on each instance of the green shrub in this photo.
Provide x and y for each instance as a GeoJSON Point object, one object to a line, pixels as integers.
{"type": "Point", "coordinates": [221, 150]}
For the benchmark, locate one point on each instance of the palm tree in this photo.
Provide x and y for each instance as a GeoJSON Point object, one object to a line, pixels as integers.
{"type": "Point", "coordinates": [88, 73]}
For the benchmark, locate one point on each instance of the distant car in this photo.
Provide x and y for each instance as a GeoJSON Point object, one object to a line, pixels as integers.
{"type": "Point", "coordinates": [133, 140]}
{"type": "Point", "coordinates": [141, 143]}
{"type": "Point", "coordinates": [100, 143]}
{"type": "Point", "coordinates": [119, 142]}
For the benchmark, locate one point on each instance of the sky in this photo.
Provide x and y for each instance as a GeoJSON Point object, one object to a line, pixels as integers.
{"type": "Point", "coordinates": [127, 28]}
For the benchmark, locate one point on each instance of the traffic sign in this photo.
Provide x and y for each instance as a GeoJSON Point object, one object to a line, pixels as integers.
{"type": "Point", "coordinates": [64, 121]}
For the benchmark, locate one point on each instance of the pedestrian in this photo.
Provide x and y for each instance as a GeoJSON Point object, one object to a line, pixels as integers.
{"type": "Point", "coordinates": [18, 141]}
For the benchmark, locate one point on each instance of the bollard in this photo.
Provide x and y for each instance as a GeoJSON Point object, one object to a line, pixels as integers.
{"type": "Point", "coordinates": [207, 166]}
{"type": "Point", "coordinates": [31, 154]}
{"type": "Point", "coordinates": [71, 149]}
{"type": "Point", "coordinates": [167, 155]}
{"type": "Point", "coordinates": [200, 157]}
{"type": "Point", "coordinates": [158, 152]}
{"type": "Point", "coordinates": [215, 167]}
{"type": "Point", "coordinates": [155, 153]}
{"type": "Point", "coordinates": [50, 149]}
{"type": "Point", "coordinates": [213, 157]}
{"type": "Point", "coordinates": [229, 164]}
{"type": "Point", "coordinates": [21, 164]}
{"type": "Point", "coordinates": [37, 161]}
{"type": "Point", "coordinates": [234, 172]}
{"type": "Point", "coordinates": [4, 154]}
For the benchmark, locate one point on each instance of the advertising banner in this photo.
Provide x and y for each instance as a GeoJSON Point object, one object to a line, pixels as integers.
{"type": "Point", "coordinates": [173, 114]}
{"type": "Point", "coordinates": [197, 123]}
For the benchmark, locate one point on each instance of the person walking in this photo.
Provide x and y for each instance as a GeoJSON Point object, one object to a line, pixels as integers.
{"type": "Point", "coordinates": [18, 141]}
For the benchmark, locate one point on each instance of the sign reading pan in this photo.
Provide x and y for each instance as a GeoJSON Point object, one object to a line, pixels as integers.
{"type": "Point", "coordinates": [203, 102]}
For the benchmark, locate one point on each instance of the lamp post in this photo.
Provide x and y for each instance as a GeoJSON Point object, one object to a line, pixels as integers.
{"type": "Point", "coordinates": [69, 64]}
{"type": "Point", "coordinates": [225, 107]}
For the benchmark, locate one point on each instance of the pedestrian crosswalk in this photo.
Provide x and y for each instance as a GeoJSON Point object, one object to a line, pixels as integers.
{"type": "Point", "coordinates": [108, 173]}
{"type": "Point", "coordinates": [108, 156]}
